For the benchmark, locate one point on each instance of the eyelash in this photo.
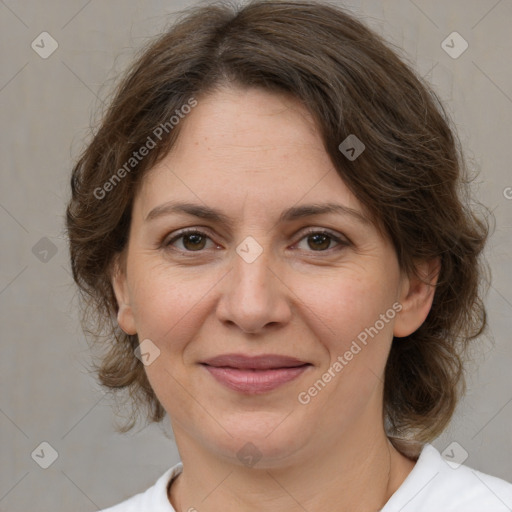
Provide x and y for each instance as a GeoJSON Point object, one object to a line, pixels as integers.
{"type": "Point", "coordinates": [166, 244]}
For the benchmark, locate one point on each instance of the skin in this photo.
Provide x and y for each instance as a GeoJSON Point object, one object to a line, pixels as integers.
{"type": "Point", "coordinates": [252, 154]}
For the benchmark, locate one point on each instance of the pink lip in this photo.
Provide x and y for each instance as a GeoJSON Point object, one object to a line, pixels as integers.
{"type": "Point", "coordinates": [256, 374]}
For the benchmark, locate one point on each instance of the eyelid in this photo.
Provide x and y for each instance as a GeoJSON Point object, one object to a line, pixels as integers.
{"type": "Point", "coordinates": [340, 239]}
{"type": "Point", "coordinates": [334, 234]}
{"type": "Point", "coordinates": [176, 235]}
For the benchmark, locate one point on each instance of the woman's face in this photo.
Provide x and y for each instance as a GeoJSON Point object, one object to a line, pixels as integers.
{"type": "Point", "coordinates": [262, 275]}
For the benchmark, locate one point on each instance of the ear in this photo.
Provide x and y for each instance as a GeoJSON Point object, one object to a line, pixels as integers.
{"type": "Point", "coordinates": [125, 317]}
{"type": "Point", "coordinates": [416, 296]}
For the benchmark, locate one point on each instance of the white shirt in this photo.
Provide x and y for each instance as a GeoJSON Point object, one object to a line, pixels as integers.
{"type": "Point", "coordinates": [432, 486]}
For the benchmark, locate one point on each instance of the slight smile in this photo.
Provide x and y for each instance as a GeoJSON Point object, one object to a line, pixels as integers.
{"type": "Point", "coordinates": [254, 374]}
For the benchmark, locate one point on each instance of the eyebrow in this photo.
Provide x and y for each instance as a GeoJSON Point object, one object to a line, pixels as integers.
{"type": "Point", "coordinates": [288, 215]}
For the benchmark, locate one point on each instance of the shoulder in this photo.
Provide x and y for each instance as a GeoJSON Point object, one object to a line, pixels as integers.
{"type": "Point", "coordinates": [153, 499]}
{"type": "Point", "coordinates": [437, 484]}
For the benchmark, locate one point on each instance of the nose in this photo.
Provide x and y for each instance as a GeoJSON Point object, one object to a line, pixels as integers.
{"type": "Point", "coordinates": [253, 297]}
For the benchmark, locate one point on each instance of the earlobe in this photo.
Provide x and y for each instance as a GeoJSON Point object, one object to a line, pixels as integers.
{"type": "Point", "coordinates": [125, 317]}
{"type": "Point", "coordinates": [416, 296]}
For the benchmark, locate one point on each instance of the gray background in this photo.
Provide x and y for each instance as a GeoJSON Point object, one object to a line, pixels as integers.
{"type": "Point", "coordinates": [46, 106]}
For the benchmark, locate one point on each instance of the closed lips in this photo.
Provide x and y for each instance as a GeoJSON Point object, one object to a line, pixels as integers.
{"type": "Point", "coordinates": [254, 375]}
{"type": "Point", "coordinates": [262, 362]}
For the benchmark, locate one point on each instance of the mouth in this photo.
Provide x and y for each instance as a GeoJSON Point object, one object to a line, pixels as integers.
{"type": "Point", "coordinates": [254, 374]}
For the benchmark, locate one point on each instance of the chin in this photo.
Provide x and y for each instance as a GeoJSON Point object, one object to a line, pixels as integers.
{"type": "Point", "coordinates": [262, 440]}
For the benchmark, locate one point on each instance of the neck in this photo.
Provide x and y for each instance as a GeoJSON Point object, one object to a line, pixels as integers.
{"type": "Point", "coordinates": [355, 476]}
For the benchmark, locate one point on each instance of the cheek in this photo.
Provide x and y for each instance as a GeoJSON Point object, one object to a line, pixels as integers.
{"type": "Point", "coordinates": [344, 308]}
{"type": "Point", "coordinates": [356, 340]}
{"type": "Point", "coordinates": [171, 306]}
{"type": "Point", "coordinates": [170, 309]}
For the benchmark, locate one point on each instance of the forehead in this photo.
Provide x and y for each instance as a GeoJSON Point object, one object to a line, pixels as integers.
{"type": "Point", "coordinates": [233, 119]}
{"type": "Point", "coordinates": [247, 145]}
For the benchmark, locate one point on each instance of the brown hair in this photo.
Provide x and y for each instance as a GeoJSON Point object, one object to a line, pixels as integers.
{"type": "Point", "coordinates": [412, 179]}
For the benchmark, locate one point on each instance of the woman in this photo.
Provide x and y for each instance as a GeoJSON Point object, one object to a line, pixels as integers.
{"type": "Point", "coordinates": [271, 222]}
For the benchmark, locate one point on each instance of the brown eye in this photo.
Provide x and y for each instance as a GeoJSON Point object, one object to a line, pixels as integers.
{"type": "Point", "coordinates": [319, 241]}
{"type": "Point", "coordinates": [194, 242]}
{"type": "Point", "coordinates": [191, 241]}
